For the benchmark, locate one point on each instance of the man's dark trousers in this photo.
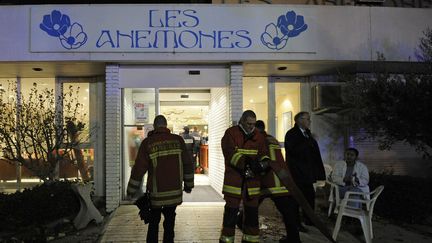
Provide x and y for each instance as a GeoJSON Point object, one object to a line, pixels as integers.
{"type": "Point", "coordinates": [309, 193]}
{"type": "Point", "coordinates": [168, 224]}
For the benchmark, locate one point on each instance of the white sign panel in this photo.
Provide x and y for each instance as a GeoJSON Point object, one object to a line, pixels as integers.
{"type": "Point", "coordinates": [141, 112]}
{"type": "Point", "coordinates": [173, 28]}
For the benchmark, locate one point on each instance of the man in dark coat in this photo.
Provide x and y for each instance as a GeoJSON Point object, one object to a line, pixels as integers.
{"type": "Point", "coordinates": [304, 160]}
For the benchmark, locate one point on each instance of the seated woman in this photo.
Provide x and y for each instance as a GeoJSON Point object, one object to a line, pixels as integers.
{"type": "Point", "coordinates": [351, 175]}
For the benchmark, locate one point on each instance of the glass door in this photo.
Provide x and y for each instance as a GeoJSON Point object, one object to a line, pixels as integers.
{"type": "Point", "coordinates": [140, 107]}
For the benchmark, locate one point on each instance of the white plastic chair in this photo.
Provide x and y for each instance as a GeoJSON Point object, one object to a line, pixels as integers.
{"type": "Point", "coordinates": [334, 199]}
{"type": "Point", "coordinates": [363, 214]}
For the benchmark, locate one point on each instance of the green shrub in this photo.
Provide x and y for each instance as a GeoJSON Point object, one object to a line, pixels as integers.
{"type": "Point", "coordinates": [37, 206]}
{"type": "Point", "coordinates": [405, 199]}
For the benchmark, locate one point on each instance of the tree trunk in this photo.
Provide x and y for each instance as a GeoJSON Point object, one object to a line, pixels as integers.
{"type": "Point", "coordinates": [82, 164]}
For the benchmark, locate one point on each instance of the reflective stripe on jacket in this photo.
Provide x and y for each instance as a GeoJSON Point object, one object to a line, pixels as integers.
{"type": "Point", "coordinates": [271, 184]}
{"type": "Point", "coordinates": [164, 156]}
{"type": "Point", "coordinates": [238, 150]}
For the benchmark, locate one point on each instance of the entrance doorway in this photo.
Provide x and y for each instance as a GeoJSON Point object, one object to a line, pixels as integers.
{"type": "Point", "coordinates": [199, 92]}
{"type": "Point", "coordinates": [201, 110]}
{"type": "Point", "coordinates": [187, 111]}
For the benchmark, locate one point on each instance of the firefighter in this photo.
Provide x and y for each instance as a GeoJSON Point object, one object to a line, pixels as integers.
{"type": "Point", "coordinates": [246, 157]}
{"type": "Point", "coordinates": [169, 165]}
{"type": "Point", "coordinates": [190, 143]}
{"type": "Point", "coordinates": [272, 187]}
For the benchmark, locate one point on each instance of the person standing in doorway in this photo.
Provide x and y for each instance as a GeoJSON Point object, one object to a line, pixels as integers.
{"type": "Point", "coordinates": [190, 143]}
{"type": "Point", "coordinates": [246, 155]}
{"type": "Point", "coordinates": [304, 160]}
{"type": "Point", "coordinates": [196, 135]}
{"type": "Point", "coordinates": [164, 156]}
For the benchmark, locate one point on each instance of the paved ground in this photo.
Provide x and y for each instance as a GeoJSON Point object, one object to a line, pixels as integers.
{"type": "Point", "coordinates": [200, 221]}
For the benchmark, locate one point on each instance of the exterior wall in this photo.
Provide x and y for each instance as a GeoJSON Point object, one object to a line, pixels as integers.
{"type": "Point", "coordinates": [386, 3]}
{"type": "Point", "coordinates": [228, 104]}
{"type": "Point", "coordinates": [112, 137]}
{"type": "Point", "coordinates": [236, 94]}
{"type": "Point", "coordinates": [402, 159]}
{"type": "Point", "coordinates": [218, 123]}
{"type": "Point", "coordinates": [326, 128]}
{"type": "Point", "coordinates": [334, 33]}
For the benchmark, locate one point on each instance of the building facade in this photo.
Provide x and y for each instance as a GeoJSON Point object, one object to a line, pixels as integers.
{"type": "Point", "coordinates": [201, 65]}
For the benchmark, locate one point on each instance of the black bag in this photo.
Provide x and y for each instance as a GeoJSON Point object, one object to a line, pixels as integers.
{"type": "Point", "coordinates": [144, 205]}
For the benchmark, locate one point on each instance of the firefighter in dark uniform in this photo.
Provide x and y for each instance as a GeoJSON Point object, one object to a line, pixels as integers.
{"type": "Point", "coordinates": [271, 187]}
{"type": "Point", "coordinates": [168, 163]}
{"type": "Point", "coordinates": [246, 156]}
{"type": "Point", "coordinates": [190, 143]}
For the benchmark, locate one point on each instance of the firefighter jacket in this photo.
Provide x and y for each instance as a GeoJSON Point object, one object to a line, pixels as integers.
{"type": "Point", "coordinates": [163, 155]}
{"type": "Point", "coordinates": [190, 143]}
{"type": "Point", "coordinates": [238, 150]}
{"type": "Point", "coordinates": [271, 184]}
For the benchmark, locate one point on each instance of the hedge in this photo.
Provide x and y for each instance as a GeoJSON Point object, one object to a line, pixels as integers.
{"type": "Point", "coordinates": [405, 199]}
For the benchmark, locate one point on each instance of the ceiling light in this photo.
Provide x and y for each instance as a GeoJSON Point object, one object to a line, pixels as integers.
{"type": "Point", "coordinates": [251, 100]}
{"type": "Point", "coordinates": [282, 68]}
{"type": "Point", "coordinates": [260, 87]}
{"type": "Point", "coordinates": [37, 69]}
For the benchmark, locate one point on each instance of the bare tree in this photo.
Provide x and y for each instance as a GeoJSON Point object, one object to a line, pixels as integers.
{"type": "Point", "coordinates": [38, 131]}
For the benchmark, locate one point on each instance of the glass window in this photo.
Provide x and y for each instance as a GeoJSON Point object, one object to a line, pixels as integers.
{"type": "Point", "coordinates": [287, 97]}
{"type": "Point", "coordinates": [139, 106]}
{"type": "Point", "coordinates": [255, 96]}
{"type": "Point", "coordinates": [41, 84]}
{"type": "Point", "coordinates": [81, 164]}
{"type": "Point", "coordinates": [8, 98]}
{"type": "Point", "coordinates": [76, 104]}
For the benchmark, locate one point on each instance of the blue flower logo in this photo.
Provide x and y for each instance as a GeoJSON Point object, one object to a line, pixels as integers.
{"type": "Point", "coordinates": [290, 25]}
{"type": "Point", "coordinates": [56, 24]}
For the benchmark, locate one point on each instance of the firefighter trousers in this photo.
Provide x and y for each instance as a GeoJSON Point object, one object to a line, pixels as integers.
{"type": "Point", "coordinates": [250, 222]}
{"type": "Point", "coordinates": [168, 224]}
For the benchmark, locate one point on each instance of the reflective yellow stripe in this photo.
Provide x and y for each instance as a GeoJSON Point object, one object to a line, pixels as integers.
{"type": "Point", "coordinates": [251, 238]}
{"type": "Point", "coordinates": [272, 149]}
{"type": "Point", "coordinates": [248, 151]}
{"type": "Point", "coordinates": [264, 158]}
{"type": "Point", "coordinates": [276, 180]}
{"type": "Point", "coordinates": [134, 182]}
{"type": "Point", "coordinates": [232, 189]}
{"type": "Point", "coordinates": [154, 162]}
{"type": "Point", "coordinates": [254, 191]}
{"type": "Point", "coordinates": [165, 153]}
{"type": "Point", "coordinates": [166, 202]}
{"type": "Point", "coordinates": [274, 190]}
{"type": "Point", "coordinates": [235, 158]}
{"type": "Point", "coordinates": [166, 194]}
{"type": "Point", "coordinates": [240, 152]}
{"type": "Point", "coordinates": [227, 239]}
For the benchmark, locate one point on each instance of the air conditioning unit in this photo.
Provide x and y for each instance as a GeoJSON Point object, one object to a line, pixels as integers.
{"type": "Point", "coordinates": [326, 98]}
